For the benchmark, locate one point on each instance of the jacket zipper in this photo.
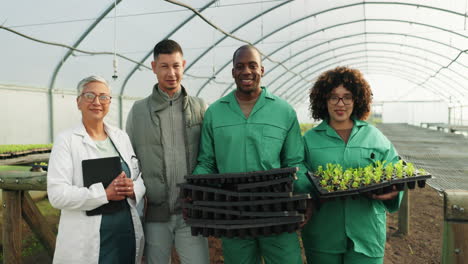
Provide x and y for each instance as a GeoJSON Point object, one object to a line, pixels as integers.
{"type": "Point", "coordinates": [173, 169]}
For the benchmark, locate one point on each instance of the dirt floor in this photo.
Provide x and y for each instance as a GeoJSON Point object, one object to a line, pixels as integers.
{"type": "Point", "coordinates": [423, 245]}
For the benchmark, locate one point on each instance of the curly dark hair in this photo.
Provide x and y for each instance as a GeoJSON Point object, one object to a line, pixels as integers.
{"type": "Point", "coordinates": [352, 80]}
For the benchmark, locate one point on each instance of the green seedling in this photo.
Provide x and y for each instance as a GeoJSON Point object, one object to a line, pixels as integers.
{"type": "Point", "coordinates": [343, 186]}
{"type": "Point", "coordinates": [422, 171]}
{"type": "Point", "coordinates": [399, 169]}
{"type": "Point", "coordinates": [389, 171]}
{"type": "Point", "coordinates": [367, 180]}
{"type": "Point", "coordinates": [336, 180]}
{"type": "Point", "coordinates": [356, 184]}
{"type": "Point", "coordinates": [409, 169]}
{"type": "Point", "coordinates": [323, 183]}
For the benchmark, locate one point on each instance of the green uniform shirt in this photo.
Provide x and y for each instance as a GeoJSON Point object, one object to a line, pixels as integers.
{"type": "Point", "coordinates": [270, 138]}
{"type": "Point", "coordinates": [362, 220]}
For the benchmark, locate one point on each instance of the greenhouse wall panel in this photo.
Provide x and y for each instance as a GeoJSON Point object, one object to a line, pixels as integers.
{"type": "Point", "coordinates": [415, 113]}
{"type": "Point", "coordinates": [23, 117]}
{"type": "Point", "coordinates": [66, 112]}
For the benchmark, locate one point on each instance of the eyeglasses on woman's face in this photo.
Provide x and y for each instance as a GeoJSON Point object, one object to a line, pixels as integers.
{"type": "Point", "coordinates": [347, 99]}
{"type": "Point", "coordinates": [90, 97]}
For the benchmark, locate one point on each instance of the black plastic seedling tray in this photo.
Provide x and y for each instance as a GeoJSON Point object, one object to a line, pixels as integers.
{"type": "Point", "coordinates": [241, 178]}
{"type": "Point", "coordinates": [204, 193]}
{"type": "Point", "coordinates": [379, 188]}
{"type": "Point", "coordinates": [247, 204]}
{"type": "Point", "coordinates": [236, 223]}
{"type": "Point", "coordinates": [411, 182]}
{"type": "Point", "coordinates": [246, 228]}
{"type": "Point", "coordinates": [201, 212]}
{"type": "Point", "coordinates": [297, 202]}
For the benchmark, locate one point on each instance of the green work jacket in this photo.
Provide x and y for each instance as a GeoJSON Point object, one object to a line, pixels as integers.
{"type": "Point", "coordinates": [363, 220]}
{"type": "Point", "coordinates": [270, 138]}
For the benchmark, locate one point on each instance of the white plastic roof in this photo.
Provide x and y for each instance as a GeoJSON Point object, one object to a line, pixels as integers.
{"type": "Point", "coordinates": [422, 42]}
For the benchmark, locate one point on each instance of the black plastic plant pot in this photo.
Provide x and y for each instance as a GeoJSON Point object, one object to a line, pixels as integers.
{"type": "Point", "coordinates": [5, 155]}
{"type": "Point", "coordinates": [421, 183]}
{"type": "Point", "coordinates": [400, 186]}
{"type": "Point", "coordinates": [411, 184]}
{"type": "Point", "coordinates": [378, 191]}
{"type": "Point", "coordinates": [388, 189]}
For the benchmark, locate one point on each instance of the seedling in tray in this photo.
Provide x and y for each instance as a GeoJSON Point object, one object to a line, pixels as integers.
{"type": "Point", "coordinates": [379, 178]}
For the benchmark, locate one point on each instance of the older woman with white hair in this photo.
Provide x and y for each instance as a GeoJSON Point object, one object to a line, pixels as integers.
{"type": "Point", "coordinates": [115, 237]}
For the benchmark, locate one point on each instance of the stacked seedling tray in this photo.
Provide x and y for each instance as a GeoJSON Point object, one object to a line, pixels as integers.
{"type": "Point", "coordinates": [243, 205]}
{"type": "Point", "coordinates": [379, 178]}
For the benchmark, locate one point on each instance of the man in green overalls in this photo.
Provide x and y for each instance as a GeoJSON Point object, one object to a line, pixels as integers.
{"type": "Point", "coordinates": [251, 129]}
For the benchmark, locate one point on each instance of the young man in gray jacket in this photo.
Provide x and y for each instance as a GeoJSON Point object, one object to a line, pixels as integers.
{"type": "Point", "coordinates": [164, 129]}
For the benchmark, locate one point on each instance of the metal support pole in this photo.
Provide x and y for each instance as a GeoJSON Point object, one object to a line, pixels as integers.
{"type": "Point", "coordinates": [121, 112]}
{"type": "Point", "coordinates": [51, 115]}
{"type": "Point", "coordinates": [404, 213]}
{"type": "Point", "coordinates": [455, 242]}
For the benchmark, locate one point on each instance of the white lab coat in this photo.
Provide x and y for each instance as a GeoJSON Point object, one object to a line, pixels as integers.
{"type": "Point", "coordinates": [78, 236]}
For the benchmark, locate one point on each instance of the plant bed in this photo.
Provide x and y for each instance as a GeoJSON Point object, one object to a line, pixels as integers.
{"type": "Point", "coordinates": [379, 178]}
{"type": "Point", "coordinates": [14, 151]}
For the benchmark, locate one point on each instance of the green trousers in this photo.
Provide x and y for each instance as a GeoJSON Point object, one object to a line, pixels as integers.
{"type": "Point", "coordinates": [275, 249]}
{"type": "Point", "coordinates": [348, 257]}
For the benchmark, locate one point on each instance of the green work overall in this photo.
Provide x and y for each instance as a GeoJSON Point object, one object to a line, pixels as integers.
{"type": "Point", "coordinates": [269, 138]}
{"type": "Point", "coordinates": [348, 227]}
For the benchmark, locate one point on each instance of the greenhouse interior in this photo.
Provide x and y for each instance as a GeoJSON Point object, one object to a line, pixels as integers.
{"type": "Point", "coordinates": [414, 54]}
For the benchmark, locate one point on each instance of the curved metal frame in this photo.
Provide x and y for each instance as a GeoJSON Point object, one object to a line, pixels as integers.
{"type": "Point", "coordinates": [342, 37]}
{"type": "Point", "coordinates": [234, 31]}
{"type": "Point", "coordinates": [346, 61]}
{"type": "Point", "coordinates": [80, 39]}
{"type": "Point", "coordinates": [319, 70]}
{"type": "Point", "coordinates": [430, 87]}
{"type": "Point", "coordinates": [364, 3]}
{"type": "Point", "coordinates": [130, 74]}
{"type": "Point", "coordinates": [336, 8]}
{"type": "Point", "coordinates": [62, 61]}
{"type": "Point", "coordinates": [354, 52]}
{"type": "Point", "coordinates": [337, 25]}
{"type": "Point", "coordinates": [296, 92]}
{"type": "Point", "coordinates": [204, 53]}
{"type": "Point", "coordinates": [366, 50]}
{"type": "Point", "coordinates": [371, 33]}
{"type": "Point", "coordinates": [434, 88]}
{"type": "Point", "coordinates": [397, 73]}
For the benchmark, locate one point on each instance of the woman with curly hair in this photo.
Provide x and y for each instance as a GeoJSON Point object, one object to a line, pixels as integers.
{"type": "Point", "coordinates": [345, 231]}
